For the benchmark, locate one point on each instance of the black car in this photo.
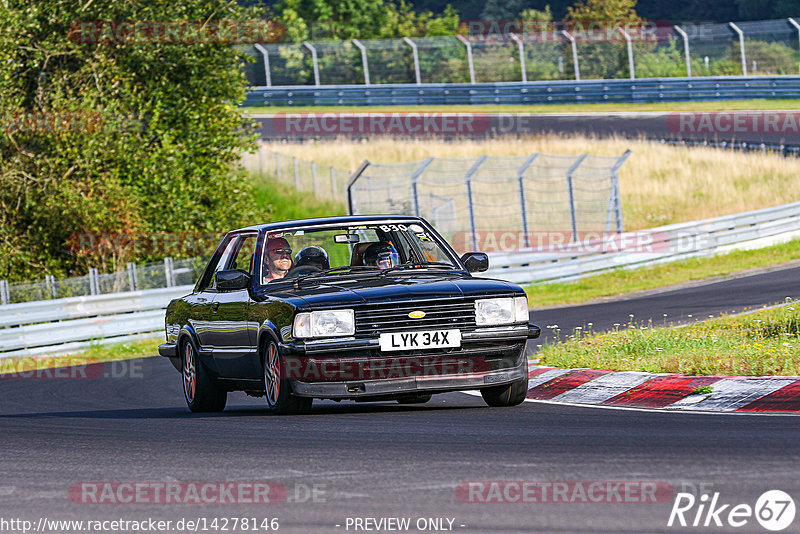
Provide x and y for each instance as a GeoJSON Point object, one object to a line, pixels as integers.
{"type": "Point", "coordinates": [364, 308]}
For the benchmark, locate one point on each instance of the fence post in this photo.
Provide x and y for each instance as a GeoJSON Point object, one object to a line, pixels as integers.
{"type": "Point", "coordinates": [575, 66]}
{"type": "Point", "coordinates": [296, 174]}
{"type": "Point", "coordinates": [630, 52]}
{"type": "Point", "coordinates": [278, 165]}
{"type": "Point", "coordinates": [351, 208]}
{"type": "Point", "coordinates": [521, 47]}
{"type": "Point", "coordinates": [470, 203]}
{"type": "Point", "coordinates": [314, 176]}
{"type": "Point", "coordinates": [414, 178]}
{"type": "Point", "coordinates": [570, 190]}
{"type": "Point", "coordinates": [615, 187]}
{"type": "Point", "coordinates": [132, 280]}
{"type": "Point", "coordinates": [168, 272]}
{"type": "Point", "coordinates": [4, 296]}
{"type": "Point", "coordinates": [469, 57]}
{"type": "Point", "coordinates": [364, 62]}
{"type": "Point", "coordinates": [523, 203]}
{"type": "Point", "coordinates": [685, 50]}
{"type": "Point", "coordinates": [797, 27]}
{"type": "Point", "coordinates": [741, 46]}
{"type": "Point", "coordinates": [314, 61]}
{"type": "Point", "coordinates": [333, 182]}
{"type": "Point", "coordinates": [266, 63]}
{"type": "Point", "coordinates": [94, 285]}
{"type": "Point", "coordinates": [260, 158]}
{"type": "Point", "coordinates": [50, 281]}
{"type": "Point", "coordinates": [415, 52]}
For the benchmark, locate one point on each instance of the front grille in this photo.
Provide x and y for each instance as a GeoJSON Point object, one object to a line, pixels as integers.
{"type": "Point", "coordinates": [393, 317]}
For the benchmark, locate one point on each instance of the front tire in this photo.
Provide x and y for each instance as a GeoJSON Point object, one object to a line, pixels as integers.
{"type": "Point", "coordinates": [280, 399]}
{"type": "Point", "coordinates": [506, 395]}
{"type": "Point", "coordinates": [199, 389]}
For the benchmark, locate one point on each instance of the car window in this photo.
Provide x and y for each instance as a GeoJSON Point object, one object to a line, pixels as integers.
{"type": "Point", "coordinates": [243, 259]}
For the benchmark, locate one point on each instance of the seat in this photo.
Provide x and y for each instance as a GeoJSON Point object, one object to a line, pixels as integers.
{"type": "Point", "coordinates": [358, 253]}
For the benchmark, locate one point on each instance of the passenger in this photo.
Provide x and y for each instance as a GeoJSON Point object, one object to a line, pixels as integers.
{"type": "Point", "coordinates": [381, 254]}
{"type": "Point", "coordinates": [277, 259]}
{"type": "Point", "coordinates": [313, 256]}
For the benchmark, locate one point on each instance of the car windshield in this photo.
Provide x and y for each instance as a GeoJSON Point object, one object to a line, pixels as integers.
{"type": "Point", "coordinates": [301, 252]}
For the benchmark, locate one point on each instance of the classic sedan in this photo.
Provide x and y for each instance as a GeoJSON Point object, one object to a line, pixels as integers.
{"type": "Point", "coordinates": [363, 308]}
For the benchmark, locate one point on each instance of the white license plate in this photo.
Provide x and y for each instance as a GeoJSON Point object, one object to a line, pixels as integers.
{"type": "Point", "coordinates": [421, 339]}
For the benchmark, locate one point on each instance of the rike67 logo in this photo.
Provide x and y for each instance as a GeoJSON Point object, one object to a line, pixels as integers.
{"type": "Point", "coordinates": [774, 510]}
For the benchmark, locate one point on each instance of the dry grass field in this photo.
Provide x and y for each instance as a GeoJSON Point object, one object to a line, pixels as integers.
{"type": "Point", "coordinates": [660, 184]}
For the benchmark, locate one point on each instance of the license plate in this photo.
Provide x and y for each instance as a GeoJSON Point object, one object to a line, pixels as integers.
{"type": "Point", "coordinates": [422, 339]}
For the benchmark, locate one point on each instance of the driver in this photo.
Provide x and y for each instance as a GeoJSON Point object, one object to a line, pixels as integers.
{"type": "Point", "coordinates": [277, 259]}
{"type": "Point", "coordinates": [381, 254]}
{"type": "Point", "coordinates": [313, 256]}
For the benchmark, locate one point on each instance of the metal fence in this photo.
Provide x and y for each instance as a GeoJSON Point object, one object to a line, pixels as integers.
{"type": "Point", "coordinates": [463, 198]}
{"type": "Point", "coordinates": [135, 277]}
{"type": "Point", "coordinates": [323, 180]}
{"type": "Point", "coordinates": [770, 47]}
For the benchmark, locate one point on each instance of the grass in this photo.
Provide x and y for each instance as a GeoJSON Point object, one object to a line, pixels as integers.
{"type": "Point", "coordinates": [659, 276]}
{"type": "Point", "coordinates": [279, 201]}
{"type": "Point", "coordinates": [659, 184]}
{"type": "Point", "coordinates": [718, 105]}
{"type": "Point", "coordinates": [95, 354]}
{"type": "Point", "coordinates": [766, 342]}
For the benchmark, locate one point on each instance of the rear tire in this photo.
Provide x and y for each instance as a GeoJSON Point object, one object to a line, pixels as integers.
{"type": "Point", "coordinates": [280, 399]}
{"type": "Point", "coordinates": [200, 391]}
{"type": "Point", "coordinates": [507, 395]}
{"type": "Point", "coordinates": [422, 398]}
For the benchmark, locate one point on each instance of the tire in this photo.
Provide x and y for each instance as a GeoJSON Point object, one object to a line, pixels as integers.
{"type": "Point", "coordinates": [507, 395]}
{"type": "Point", "coordinates": [199, 389]}
{"type": "Point", "coordinates": [421, 398]}
{"type": "Point", "coordinates": [278, 390]}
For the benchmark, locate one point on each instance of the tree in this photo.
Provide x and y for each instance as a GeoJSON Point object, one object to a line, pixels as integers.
{"type": "Point", "coordinates": [109, 134]}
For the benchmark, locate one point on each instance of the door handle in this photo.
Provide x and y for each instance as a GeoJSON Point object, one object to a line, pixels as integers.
{"type": "Point", "coordinates": [215, 307]}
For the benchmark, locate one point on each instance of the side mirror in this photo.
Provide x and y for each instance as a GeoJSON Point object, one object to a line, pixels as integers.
{"type": "Point", "coordinates": [475, 262]}
{"type": "Point", "coordinates": [233, 279]}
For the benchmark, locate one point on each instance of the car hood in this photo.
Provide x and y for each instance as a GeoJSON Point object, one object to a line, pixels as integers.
{"type": "Point", "coordinates": [356, 291]}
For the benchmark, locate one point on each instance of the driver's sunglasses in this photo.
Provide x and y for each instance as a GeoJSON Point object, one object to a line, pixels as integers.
{"type": "Point", "coordinates": [281, 252]}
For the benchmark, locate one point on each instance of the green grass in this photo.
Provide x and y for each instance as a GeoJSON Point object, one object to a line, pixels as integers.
{"type": "Point", "coordinates": [766, 342]}
{"type": "Point", "coordinates": [95, 354]}
{"type": "Point", "coordinates": [718, 105]}
{"type": "Point", "coordinates": [647, 278]}
{"type": "Point", "coordinates": [280, 202]}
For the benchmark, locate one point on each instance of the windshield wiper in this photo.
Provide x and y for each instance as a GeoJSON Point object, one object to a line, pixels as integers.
{"type": "Point", "coordinates": [404, 266]}
{"type": "Point", "coordinates": [342, 269]}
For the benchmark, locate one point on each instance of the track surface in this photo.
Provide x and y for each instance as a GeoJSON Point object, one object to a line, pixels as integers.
{"type": "Point", "coordinates": [387, 460]}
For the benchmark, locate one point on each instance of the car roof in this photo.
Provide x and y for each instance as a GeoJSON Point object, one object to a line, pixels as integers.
{"type": "Point", "coordinates": [328, 220]}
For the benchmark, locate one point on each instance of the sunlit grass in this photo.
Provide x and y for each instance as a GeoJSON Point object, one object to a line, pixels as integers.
{"type": "Point", "coordinates": [766, 342]}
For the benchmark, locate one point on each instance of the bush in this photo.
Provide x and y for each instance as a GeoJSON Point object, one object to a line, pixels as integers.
{"type": "Point", "coordinates": [152, 142]}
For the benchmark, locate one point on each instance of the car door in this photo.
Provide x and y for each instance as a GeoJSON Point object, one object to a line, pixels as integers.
{"type": "Point", "coordinates": [202, 300]}
{"type": "Point", "coordinates": [234, 354]}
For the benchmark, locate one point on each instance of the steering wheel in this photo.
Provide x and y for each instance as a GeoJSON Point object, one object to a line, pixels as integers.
{"type": "Point", "coordinates": [302, 270]}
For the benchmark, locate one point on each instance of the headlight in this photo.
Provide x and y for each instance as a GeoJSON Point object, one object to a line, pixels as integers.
{"type": "Point", "coordinates": [501, 311]}
{"type": "Point", "coordinates": [324, 324]}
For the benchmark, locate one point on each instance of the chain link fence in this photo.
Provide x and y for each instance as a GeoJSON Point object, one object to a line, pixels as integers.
{"type": "Point", "coordinates": [561, 52]}
{"type": "Point", "coordinates": [521, 197]}
{"type": "Point", "coordinates": [154, 275]}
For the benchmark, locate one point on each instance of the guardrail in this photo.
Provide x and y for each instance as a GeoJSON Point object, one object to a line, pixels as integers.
{"type": "Point", "coordinates": [663, 244]}
{"type": "Point", "coordinates": [544, 92]}
{"type": "Point", "coordinates": [75, 323]}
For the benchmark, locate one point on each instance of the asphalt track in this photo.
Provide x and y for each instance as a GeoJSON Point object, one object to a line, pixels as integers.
{"type": "Point", "coordinates": [386, 460]}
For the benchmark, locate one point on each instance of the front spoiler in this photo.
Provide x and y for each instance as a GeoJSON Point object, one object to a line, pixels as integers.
{"type": "Point", "coordinates": [420, 384]}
